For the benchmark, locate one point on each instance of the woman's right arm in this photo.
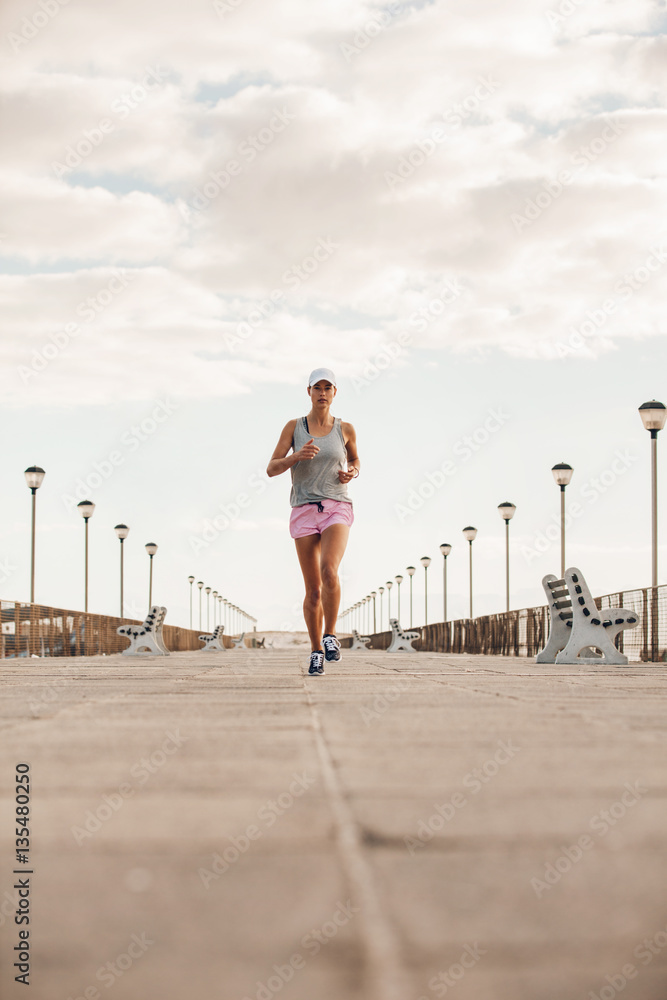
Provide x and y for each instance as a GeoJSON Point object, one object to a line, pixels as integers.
{"type": "Point", "coordinates": [280, 461]}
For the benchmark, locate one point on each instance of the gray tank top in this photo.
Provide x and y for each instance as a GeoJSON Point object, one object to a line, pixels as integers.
{"type": "Point", "coordinates": [318, 479]}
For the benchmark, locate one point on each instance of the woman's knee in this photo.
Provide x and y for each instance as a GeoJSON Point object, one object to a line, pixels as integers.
{"type": "Point", "coordinates": [313, 596]}
{"type": "Point", "coordinates": [329, 575]}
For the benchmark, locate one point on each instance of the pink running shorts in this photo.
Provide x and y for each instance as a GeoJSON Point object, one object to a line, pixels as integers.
{"type": "Point", "coordinates": [307, 519]}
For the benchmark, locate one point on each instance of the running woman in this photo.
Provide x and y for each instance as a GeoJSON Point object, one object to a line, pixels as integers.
{"type": "Point", "coordinates": [323, 461]}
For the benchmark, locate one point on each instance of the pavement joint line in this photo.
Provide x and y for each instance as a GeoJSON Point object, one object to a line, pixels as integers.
{"type": "Point", "coordinates": [387, 979]}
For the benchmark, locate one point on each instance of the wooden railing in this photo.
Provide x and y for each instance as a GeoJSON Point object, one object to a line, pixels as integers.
{"type": "Point", "coordinates": [37, 630]}
{"type": "Point", "coordinates": [525, 632]}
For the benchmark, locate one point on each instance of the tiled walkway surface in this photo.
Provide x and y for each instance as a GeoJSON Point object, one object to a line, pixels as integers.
{"type": "Point", "coordinates": [407, 827]}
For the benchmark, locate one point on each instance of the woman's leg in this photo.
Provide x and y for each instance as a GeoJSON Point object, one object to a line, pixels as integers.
{"type": "Point", "coordinates": [334, 542]}
{"type": "Point", "coordinates": [308, 551]}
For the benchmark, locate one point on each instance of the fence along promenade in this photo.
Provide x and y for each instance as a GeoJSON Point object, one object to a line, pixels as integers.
{"type": "Point", "coordinates": [525, 632]}
{"type": "Point", "coordinates": [38, 630]}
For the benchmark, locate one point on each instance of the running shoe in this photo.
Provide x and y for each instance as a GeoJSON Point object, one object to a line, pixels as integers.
{"type": "Point", "coordinates": [331, 647]}
{"type": "Point", "coordinates": [316, 662]}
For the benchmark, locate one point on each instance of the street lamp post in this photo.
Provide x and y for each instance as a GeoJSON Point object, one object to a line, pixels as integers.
{"type": "Point", "coordinates": [215, 608]}
{"type": "Point", "coordinates": [151, 548]}
{"type": "Point", "coordinates": [200, 584]}
{"type": "Point", "coordinates": [375, 624]}
{"type": "Point", "coordinates": [381, 589]}
{"type": "Point", "coordinates": [191, 580]}
{"type": "Point", "coordinates": [426, 562]}
{"type": "Point", "coordinates": [208, 609]}
{"type": "Point", "coordinates": [507, 511]}
{"type": "Point", "coordinates": [653, 416]}
{"type": "Point", "coordinates": [399, 581]}
{"type": "Point", "coordinates": [389, 584]}
{"type": "Point", "coordinates": [122, 531]}
{"type": "Point", "coordinates": [470, 534]}
{"type": "Point", "coordinates": [86, 508]}
{"type": "Point", "coordinates": [411, 572]}
{"type": "Point", "coordinates": [34, 476]}
{"type": "Point", "coordinates": [562, 473]}
{"type": "Point", "coordinates": [445, 548]}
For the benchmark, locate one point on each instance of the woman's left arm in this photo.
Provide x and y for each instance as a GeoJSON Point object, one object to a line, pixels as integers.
{"type": "Point", "coordinates": [353, 462]}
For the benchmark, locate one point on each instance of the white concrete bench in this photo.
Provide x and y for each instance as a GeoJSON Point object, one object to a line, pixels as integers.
{"type": "Point", "coordinates": [577, 626]}
{"type": "Point", "coordinates": [146, 639]}
{"type": "Point", "coordinates": [238, 642]}
{"type": "Point", "coordinates": [400, 639]}
{"type": "Point", "coordinates": [213, 641]}
{"type": "Point", "coordinates": [360, 641]}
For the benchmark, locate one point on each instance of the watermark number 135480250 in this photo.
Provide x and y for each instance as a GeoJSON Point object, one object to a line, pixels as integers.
{"type": "Point", "coordinates": [22, 884]}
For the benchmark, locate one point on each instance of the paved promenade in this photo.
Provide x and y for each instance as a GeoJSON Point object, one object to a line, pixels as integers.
{"type": "Point", "coordinates": [224, 827]}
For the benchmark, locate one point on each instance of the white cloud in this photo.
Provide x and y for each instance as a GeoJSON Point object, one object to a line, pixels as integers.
{"type": "Point", "coordinates": [520, 92]}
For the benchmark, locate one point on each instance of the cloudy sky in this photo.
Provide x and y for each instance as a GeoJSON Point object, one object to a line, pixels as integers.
{"type": "Point", "coordinates": [460, 209]}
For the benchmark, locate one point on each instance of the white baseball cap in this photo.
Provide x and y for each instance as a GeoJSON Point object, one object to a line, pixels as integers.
{"type": "Point", "coordinates": [324, 374]}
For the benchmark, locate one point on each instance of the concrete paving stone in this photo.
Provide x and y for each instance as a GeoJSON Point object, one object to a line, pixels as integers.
{"type": "Point", "coordinates": [264, 777]}
{"type": "Point", "coordinates": [490, 899]}
{"type": "Point", "coordinates": [539, 820]}
{"type": "Point", "coordinates": [534, 770]}
{"type": "Point", "coordinates": [208, 941]}
{"type": "Point", "coordinates": [549, 980]}
{"type": "Point", "coordinates": [148, 818]}
{"type": "Point", "coordinates": [583, 732]}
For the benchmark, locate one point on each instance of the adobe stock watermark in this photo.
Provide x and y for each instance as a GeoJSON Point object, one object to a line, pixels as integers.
{"type": "Point", "coordinates": [8, 906]}
{"type": "Point", "coordinates": [229, 513]}
{"type": "Point", "coordinates": [369, 31]}
{"type": "Point", "coordinates": [474, 781]}
{"type": "Point", "coordinates": [464, 449]}
{"type": "Point", "coordinates": [296, 612]}
{"type": "Point", "coordinates": [48, 695]}
{"type": "Point", "coordinates": [453, 117]}
{"type": "Point", "coordinates": [293, 277]}
{"type": "Point", "coordinates": [7, 570]}
{"type": "Point", "coordinates": [383, 702]}
{"type": "Point", "coordinates": [625, 287]}
{"type": "Point", "coordinates": [389, 354]}
{"type": "Point", "coordinates": [225, 7]}
{"type": "Point", "coordinates": [109, 973]}
{"type": "Point", "coordinates": [131, 441]}
{"type": "Point", "coordinates": [31, 25]}
{"type": "Point", "coordinates": [645, 953]}
{"type": "Point", "coordinates": [88, 310]}
{"type": "Point", "coordinates": [312, 943]}
{"type": "Point", "coordinates": [590, 492]}
{"type": "Point", "coordinates": [553, 189]}
{"type": "Point", "coordinates": [141, 771]}
{"type": "Point", "coordinates": [600, 824]}
{"type": "Point", "coordinates": [267, 816]}
{"type": "Point", "coordinates": [441, 984]}
{"type": "Point", "coordinates": [565, 9]}
{"type": "Point", "coordinates": [247, 153]}
{"type": "Point", "coordinates": [121, 108]}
